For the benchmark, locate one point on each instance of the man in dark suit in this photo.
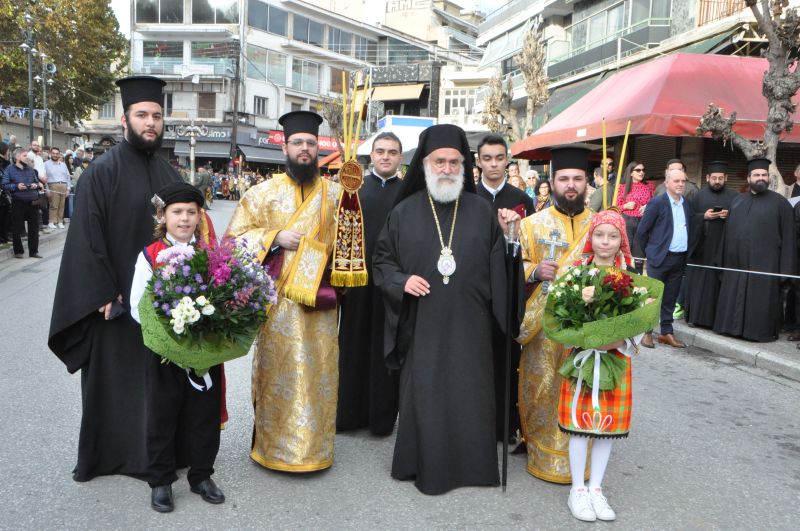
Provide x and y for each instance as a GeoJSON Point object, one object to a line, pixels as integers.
{"type": "Point", "coordinates": [795, 188]}
{"type": "Point", "coordinates": [664, 235]}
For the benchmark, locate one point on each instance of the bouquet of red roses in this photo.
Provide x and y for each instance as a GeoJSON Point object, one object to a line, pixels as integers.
{"type": "Point", "coordinates": [592, 306]}
{"type": "Point", "coordinates": [204, 305]}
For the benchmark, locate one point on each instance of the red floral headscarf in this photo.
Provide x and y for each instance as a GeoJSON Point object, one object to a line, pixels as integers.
{"type": "Point", "coordinates": [616, 220]}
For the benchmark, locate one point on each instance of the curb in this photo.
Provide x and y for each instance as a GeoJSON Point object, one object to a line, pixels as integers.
{"type": "Point", "coordinates": [753, 354]}
{"type": "Point", "coordinates": [47, 240]}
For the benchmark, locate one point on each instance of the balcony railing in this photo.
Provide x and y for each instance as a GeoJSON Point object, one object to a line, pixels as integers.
{"type": "Point", "coordinates": [713, 10]}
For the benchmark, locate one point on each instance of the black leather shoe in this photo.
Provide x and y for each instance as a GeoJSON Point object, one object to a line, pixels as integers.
{"type": "Point", "coordinates": [209, 491]}
{"type": "Point", "coordinates": [161, 499]}
{"type": "Point", "coordinates": [37, 255]}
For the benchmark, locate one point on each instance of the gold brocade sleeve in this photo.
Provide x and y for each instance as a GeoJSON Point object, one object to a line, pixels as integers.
{"type": "Point", "coordinates": [249, 221]}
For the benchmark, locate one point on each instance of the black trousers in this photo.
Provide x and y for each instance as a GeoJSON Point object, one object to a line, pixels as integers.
{"type": "Point", "coordinates": [670, 272]}
{"type": "Point", "coordinates": [183, 423]}
{"type": "Point", "coordinates": [22, 213]}
{"type": "Point", "coordinates": [5, 217]}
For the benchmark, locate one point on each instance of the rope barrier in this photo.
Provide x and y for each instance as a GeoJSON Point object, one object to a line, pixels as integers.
{"type": "Point", "coordinates": [735, 270]}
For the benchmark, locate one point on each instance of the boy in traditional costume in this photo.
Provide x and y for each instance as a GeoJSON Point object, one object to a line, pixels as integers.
{"type": "Point", "coordinates": [183, 421]}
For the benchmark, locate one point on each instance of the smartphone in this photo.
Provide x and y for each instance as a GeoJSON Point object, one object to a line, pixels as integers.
{"type": "Point", "coordinates": [716, 209]}
{"type": "Point", "coordinates": [117, 309]}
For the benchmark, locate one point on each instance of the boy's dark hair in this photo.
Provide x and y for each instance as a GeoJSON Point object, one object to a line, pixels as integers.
{"type": "Point", "coordinates": [492, 140]}
{"type": "Point", "coordinates": [388, 135]}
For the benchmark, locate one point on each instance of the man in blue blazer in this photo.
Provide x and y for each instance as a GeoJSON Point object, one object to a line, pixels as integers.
{"type": "Point", "coordinates": [664, 235]}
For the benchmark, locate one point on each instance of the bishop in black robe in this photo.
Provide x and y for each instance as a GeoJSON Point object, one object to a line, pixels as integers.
{"type": "Point", "coordinates": [702, 285]}
{"type": "Point", "coordinates": [442, 341]}
{"type": "Point", "coordinates": [759, 236]}
{"type": "Point", "coordinates": [368, 389]}
{"type": "Point", "coordinates": [513, 198]}
{"type": "Point", "coordinates": [112, 223]}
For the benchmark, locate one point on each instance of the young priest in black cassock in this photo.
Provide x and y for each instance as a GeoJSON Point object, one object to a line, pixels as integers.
{"type": "Point", "coordinates": [368, 390]}
{"type": "Point", "coordinates": [442, 294]}
{"type": "Point", "coordinates": [91, 329]}
{"type": "Point", "coordinates": [711, 206]}
{"type": "Point", "coordinates": [493, 186]}
{"type": "Point", "coordinates": [759, 236]}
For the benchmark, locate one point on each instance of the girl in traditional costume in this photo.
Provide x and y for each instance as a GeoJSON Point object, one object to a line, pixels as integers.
{"type": "Point", "coordinates": [184, 411]}
{"type": "Point", "coordinates": [606, 245]}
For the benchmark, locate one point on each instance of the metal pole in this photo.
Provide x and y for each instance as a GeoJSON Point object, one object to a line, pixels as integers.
{"type": "Point", "coordinates": [44, 104]}
{"type": "Point", "coordinates": [235, 128]}
{"type": "Point", "coordinates": [30, 90]}
{"type": "Point", "coordinates": [192, 143]}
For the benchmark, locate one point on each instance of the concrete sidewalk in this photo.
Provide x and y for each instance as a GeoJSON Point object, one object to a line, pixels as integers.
{"type": "Point", "coordinates": [781, 356]}
{"type": "Point", "coordinates": [50, 240]}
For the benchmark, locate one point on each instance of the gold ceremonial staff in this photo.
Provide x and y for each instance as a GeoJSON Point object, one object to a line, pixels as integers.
{"type": "Point", "coordinates": [349, 265]}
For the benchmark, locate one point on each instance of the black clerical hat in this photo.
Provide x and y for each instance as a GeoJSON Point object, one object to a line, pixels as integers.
{"type": "Point", "coordinates": [135, 89]}
{"type": "Point", "coordinates": [431, 139]}
{"type": "Point", "coordinates": [300, 122]}
{"type": "Point", "coordinates": [180, 192]}
{"type": "Point", "coordinates": [717, 166]}
{"type": "Point", "coordinates": [569, 157]}
{"type": "Point", "coordinates": [758, 164]}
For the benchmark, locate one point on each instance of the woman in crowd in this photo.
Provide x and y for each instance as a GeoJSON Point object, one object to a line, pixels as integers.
{"type": "Point", "coordinates": [631, 201]}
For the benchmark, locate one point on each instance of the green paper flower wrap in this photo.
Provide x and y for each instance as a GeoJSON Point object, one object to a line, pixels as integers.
{"type": "Point", "coordinates": [597, 333]}
{"type": "Point", "coordinates": [612, 369]}
{"type": "Point", "coordinates": [189, 352]}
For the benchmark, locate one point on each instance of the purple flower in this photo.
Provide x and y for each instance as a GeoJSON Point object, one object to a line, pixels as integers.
{"type": "Point", "coordinates": [203, 287]}
{"type": "Point", "coordinates": [165, 307]}
{"type": "Point", "coordinates": [155, 305]}
{"type": "Point", "coordinates": [157, 284]}
{"type": "Point", "coordinates": [187, 289]}
{"type": "Point", "coordinates": [198, 278]}
{"type": "Point", "coordinates": [178, 289]}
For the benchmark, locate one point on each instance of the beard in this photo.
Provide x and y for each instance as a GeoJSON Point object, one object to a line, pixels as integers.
{"type": "Point", "coordinates": [570, 206]}
{"type": "Point", "coordinates": [717, 187]}
{"type": "Point", "coordinates": [444, 188]}
{"type": "Point", "coordinates": [139, 142]}
{"type": "Point", "coordinates": [759, 187]}
{"type": "Point", "coordinates": [303, 173]}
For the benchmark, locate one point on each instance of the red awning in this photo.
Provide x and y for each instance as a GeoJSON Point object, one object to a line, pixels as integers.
{"type": "Point", "coordinates": [667, 97]}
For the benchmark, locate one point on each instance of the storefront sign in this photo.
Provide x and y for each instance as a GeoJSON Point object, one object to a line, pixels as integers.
{"type": "Point", "coordinates": [326, 143]}
{"type": "Point", "coordinates": [215, 134]}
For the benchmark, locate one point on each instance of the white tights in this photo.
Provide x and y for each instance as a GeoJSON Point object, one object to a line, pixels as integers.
{"type": "Point", "coordinates": [578, 450]}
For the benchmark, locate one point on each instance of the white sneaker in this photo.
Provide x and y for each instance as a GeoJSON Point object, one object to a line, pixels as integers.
{"type": "Point", "coordinates": [60, 225]}
{"type": "Point", "coordinates": [50, 226]}
{"type": "Point", "coordinates": [602, 509]}
{"type": "Point", "coordinates": [580, 505]}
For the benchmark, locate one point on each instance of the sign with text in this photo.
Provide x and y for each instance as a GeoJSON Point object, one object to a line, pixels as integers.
{"type": "Point", "coordinates": [404, 5]}
{"type": "Point", "coordinates": [215, 134]}
{"type": "Point", "coordinates": [326, 143]}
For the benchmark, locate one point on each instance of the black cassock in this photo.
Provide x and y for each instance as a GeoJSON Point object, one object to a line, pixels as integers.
{"type": "Point", "coordinates": [508, 197]}
{"type": "Point", "coordinates": [443, 341]}
{"type": "Point", "coordinates": [112, 222]}
{"type": "Point", "coordinates": [702, 285]}
{"type": "Point", "coordinates": [759, 236]}
{"type": "Point", "coordinates": [368, 390]}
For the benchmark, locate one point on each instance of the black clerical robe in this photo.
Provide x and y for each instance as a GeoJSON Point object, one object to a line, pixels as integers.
{"type": "Point", "coordinates": [508, 197]}
{"type": "Point", "coordinates": [759, 236]}
{"type": "Point", "coordinates": [442, 341]}
{"type": "Point", "coordinates": [368, 389]}
{"type": "Point", "coordinates": [112, 223]}
{"type": "Point", "coordinates": [702, 285]}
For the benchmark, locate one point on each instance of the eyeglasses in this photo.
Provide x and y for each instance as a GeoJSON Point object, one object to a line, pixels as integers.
{"type": "Point", "coordinates": [298, 142]}
{"type": "Point", "coordinates": [638, 169]}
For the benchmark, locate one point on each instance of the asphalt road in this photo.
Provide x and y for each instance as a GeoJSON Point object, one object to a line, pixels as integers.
{"type": "Point", "coordinates": [714, 445]}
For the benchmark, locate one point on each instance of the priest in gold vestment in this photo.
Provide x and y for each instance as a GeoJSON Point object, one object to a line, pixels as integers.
{"type": "Point", "coordinates": [295, 365]}
{"type": "Point", "coordinates": [551, 240]}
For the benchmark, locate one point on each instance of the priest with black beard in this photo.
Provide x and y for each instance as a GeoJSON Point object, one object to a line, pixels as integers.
{"type": "Point", "coordinates": [711, 206]}
{"type": "Point", "coordinates": [368, 390]}
{"type": "Point", "coordinates": [493, 186]}
{"type": "Point", "coordinates": [91, 329]}
{"type": "Point", "coordinates": [440, 263]}
{"type": "Point", "coordinates": [759, 236]}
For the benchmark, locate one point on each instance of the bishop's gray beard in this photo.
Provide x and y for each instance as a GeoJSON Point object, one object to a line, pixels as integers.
{"type": "Point", "coordinates": [444, 188]}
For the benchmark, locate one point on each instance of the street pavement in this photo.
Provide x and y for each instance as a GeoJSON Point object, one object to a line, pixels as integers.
{"type": "Point", "coordinates": [714, 445]}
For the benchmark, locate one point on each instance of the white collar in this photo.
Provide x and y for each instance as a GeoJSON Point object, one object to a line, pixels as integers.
{"type": "Point", "coordinates": [493, 191]}
{"type": "Point", "coordinates": [175, 242]}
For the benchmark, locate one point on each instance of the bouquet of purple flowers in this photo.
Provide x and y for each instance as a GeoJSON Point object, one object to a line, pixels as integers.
{"type": "Point", "coordinates": [204, 305]}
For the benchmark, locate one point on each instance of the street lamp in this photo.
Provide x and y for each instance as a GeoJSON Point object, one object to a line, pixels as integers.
{"type": "Point", "coordinates": [192, 131]}
{"type": "Point", "coordinates": [30, 51]}
{"type": "Point", "coordinates": [48, 70]}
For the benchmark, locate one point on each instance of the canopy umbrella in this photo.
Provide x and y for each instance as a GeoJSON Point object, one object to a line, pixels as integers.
{"type": "Point", "coordinates": [666, 96]}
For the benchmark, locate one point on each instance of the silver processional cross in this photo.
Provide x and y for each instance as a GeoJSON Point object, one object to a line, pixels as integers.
{"type": "Point", "coordinates": [552, 243]}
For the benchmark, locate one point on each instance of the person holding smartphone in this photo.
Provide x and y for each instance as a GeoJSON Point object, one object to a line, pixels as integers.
{"type": "Point", "coordinates": [711, 205]}
{"type": "Point", "coordinates": [22, 182]}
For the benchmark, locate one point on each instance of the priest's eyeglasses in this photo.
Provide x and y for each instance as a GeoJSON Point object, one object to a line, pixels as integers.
{"type": "Point", "coordinates": [297, 142]}
{"type": "Point", "coordinates": [441, 164]}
